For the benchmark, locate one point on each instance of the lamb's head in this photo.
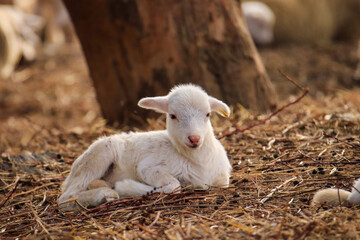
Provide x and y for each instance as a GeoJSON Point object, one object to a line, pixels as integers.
{"type": "Point", "coordinates": [188, 110]}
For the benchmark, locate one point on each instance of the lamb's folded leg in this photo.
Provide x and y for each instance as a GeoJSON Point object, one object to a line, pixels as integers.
{"type": "Point", "coordinates": [91, 165]}
{"type": "Point", "coordinates": [90, 198]}
{"type": "Point", "coordinates": [222, 180]}
{"type": "Point", "coordinates": [162, 180]}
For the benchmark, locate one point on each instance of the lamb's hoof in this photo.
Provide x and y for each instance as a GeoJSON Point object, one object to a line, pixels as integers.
{"type": "Point", "coordinates": [107, 195]}
{"type": "Point", "coordinates": [67, 207]}
{"type": "Point", "coordinates": [170, 188]}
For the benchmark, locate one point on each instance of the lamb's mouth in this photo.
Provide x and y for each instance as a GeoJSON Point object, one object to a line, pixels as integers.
{"type": "Point", "coordinates": [193, 145]}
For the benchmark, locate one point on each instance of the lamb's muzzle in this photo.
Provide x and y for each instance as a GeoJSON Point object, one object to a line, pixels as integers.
{"type": "Point", "coordinates": [194, 141]}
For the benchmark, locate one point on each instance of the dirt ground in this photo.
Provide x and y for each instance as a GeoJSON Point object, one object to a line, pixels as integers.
{"type": "Point", "coordinates": [49, 108]}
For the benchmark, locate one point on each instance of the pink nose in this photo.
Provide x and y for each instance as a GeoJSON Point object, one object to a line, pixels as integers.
{"type": "Point", "coordinates": [194, 139]}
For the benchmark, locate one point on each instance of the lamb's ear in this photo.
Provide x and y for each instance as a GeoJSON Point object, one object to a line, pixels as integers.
{"type": "Point", "coordinates": [219, 107]}
{"type": "Point", "coordinates": [159, 104]}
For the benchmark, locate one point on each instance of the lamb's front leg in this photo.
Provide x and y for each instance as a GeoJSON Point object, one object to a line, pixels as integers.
{"type": "Point", "coordinates": [131, 188]}
{"type": "Point", "coordinates": [159, 182]}
{"type": "Point", "coordinates": [222, 180]}
{"type": "Point", "coordinates": [159, 178]}
{"type": "Point", "coordinates": [156, 181]}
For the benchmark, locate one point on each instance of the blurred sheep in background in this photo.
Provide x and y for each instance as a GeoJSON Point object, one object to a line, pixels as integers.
{"type": "Point", "coordinates": [18, 37]}
{"type": "Point", "coordinates": [29, 26]}
{"type": "Point", "coordinates": [311, 22]}
{"type": "Point", "coordinates": [260, 20]}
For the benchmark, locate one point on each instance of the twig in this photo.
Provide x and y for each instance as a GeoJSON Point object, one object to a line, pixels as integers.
{"type": "Point", "coordinates": [242, 227]}
{"type": "Point", "coordinates": [157, 208]}
{"type": "Point", "coordinates": [80, 205]}
{"type": "Point", "coordinates": [305, 155]}
{"type": "Point", "coordinates": [113, 204]}
{"type": "Point", "coordinates": [140, 206]}
{"type": "Point", "coordinates": [34, 189]}
{"type": "Point", "coordinates": [275, 189]}
{"type": "Point", "coordinates": [338, 190]}
{"type": "Point", "coordinates": [8, 195]}
{"type": "Point", "coordinates": [292, 81]}
{"type": "Point", "coordinates": [356, 189]}
{"type": "Point", "coordinates": [343, 141]}
{"type": "Point", "coordinates": [120, 202]}
{"type": "Point", "coordinates": [330, 163]}
{"type": "Point", "coordinates": [156, 202]}
{"type": "Point", "coordinates": [39, 221]}
{"type": "Point", "coordinates": [145, 229]}
{"type": "Point", "coordinates": [155, 220]}
{"type": "Point", "coordinates": [238, 130]}
{"type": "Point", "coordinates": [198, 215]}
{"type": "Point", "coordinates": [220, 208]}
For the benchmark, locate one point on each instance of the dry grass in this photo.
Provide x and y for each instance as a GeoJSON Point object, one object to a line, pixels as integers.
{"type": "Point", "coordinates": [277, 167]}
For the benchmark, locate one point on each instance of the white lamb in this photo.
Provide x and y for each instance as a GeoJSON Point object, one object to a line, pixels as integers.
{"type": "Point", "coordinates": [133, 164]}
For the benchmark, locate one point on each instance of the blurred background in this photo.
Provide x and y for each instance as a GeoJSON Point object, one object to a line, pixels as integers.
{"type": "Point", "coordinates": [45, 83]}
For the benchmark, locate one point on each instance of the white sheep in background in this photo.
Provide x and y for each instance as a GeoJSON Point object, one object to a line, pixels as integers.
{"type": "Point", "coordinates": [18, 38]}
{"type": "Point", "coordinates": [133, 164]}
{"type": "Point", "coordinates": [334, 197]}
{"type": "Point", "coordinates": [260, 20]}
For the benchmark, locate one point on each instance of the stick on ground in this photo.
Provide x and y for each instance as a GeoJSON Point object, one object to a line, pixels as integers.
{"type": "Point", "coordinates": [305, 92]}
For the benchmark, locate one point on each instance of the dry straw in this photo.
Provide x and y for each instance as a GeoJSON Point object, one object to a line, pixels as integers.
{"type": "Point", "coordinates": [277, 166]}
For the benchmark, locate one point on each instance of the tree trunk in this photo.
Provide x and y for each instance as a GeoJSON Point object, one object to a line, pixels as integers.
{"type": "Point", "coordinates": [143, 48]}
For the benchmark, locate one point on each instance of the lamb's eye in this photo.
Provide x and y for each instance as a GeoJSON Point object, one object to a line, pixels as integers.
{"type": "Point", "coordinates": [208, 115]}
{"type": "Point", "coordinates": [172, 116]}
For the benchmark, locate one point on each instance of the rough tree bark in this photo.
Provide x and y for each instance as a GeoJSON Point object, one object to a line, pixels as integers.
{"type": "Point", "coordinates": [145, 47]}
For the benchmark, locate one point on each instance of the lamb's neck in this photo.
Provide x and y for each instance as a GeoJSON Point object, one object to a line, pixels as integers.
{"type": "Point", "coordinates": [201, 154]}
